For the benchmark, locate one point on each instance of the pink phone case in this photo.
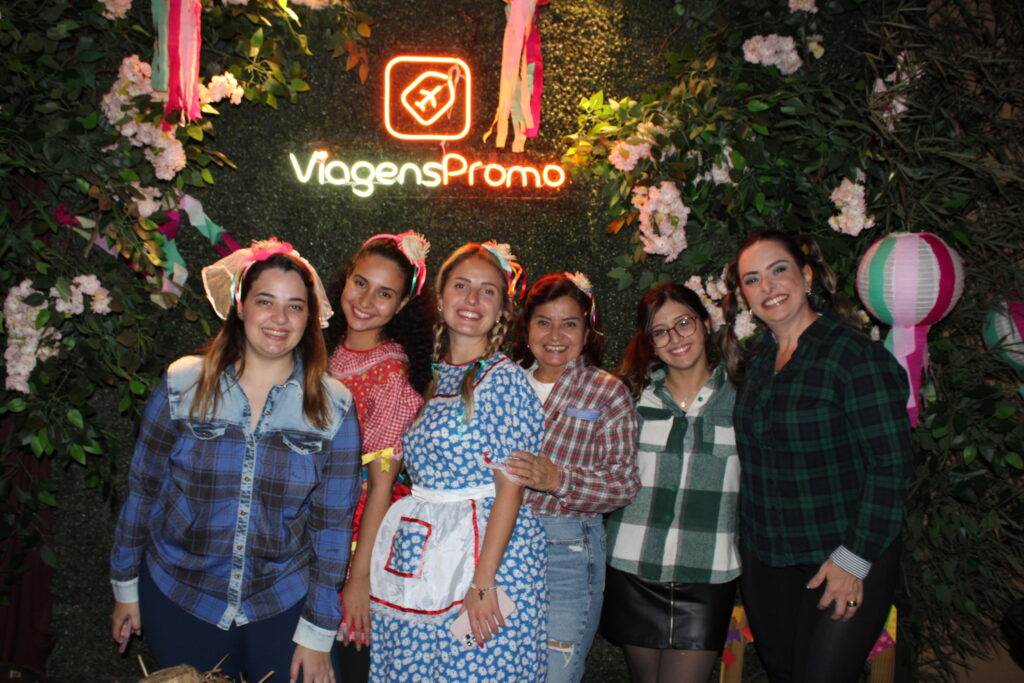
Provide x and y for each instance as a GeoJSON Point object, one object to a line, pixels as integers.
{"type": "Point", "coordinates": [460, 627]}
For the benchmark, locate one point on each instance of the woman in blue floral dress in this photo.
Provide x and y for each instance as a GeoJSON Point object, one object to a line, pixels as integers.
{"type": "Point", "coordinates": [461, 540]}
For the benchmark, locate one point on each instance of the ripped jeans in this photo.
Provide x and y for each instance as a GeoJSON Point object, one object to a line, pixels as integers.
{"type": "Point", "coordinates": [576, 565]}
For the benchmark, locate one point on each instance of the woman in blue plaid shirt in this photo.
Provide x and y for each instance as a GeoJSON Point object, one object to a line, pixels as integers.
{"type": "Point", "coordinates": [672, 555]}
{"type": "Point", "coordinates": [823, 434]}
{"type": "Point", "coordinates": [235, 533]}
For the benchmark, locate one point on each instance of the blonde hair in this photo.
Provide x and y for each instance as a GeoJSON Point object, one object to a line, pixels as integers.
{"type": "Point", "coordinates": [495, 339]}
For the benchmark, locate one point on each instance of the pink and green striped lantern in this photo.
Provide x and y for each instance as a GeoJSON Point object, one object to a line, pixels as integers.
{"type": "Point", "coordinates": [1004, 332]}
{"type": "Point", "coordinates": [910, 281]}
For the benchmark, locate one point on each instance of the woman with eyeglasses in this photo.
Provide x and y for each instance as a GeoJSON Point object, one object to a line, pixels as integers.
{"type": "Point", "coordinates": [673, 560]}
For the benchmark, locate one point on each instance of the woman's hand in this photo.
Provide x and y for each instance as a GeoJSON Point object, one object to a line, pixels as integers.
{"type": "Point", "coordinates": [534, 471]}
{"type": "Point", "coordinates": [841, 587]}
{"type": "Point", "coordinates": [485, 618]}
{"type": "Point", "coordinates": [355, 627]}
{"type": "Point", "coordinates": [315, 666]}
{"type": "Point", "coordinates": [124, 621]}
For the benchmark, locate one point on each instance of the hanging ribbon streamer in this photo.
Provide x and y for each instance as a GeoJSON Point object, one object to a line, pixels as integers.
{"type": "Point", "coordinates": [910, 281]}
{"type": "Point", "coordinates": [521, 76]}
{"type": "Point", "coordinates": [222, 242]}
{"type": "Point", "coordinates": [159, 62]}
{"type": "Point", "coordinates": [183, 43]}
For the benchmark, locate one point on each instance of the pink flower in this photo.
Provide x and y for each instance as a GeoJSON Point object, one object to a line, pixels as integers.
{"type": "Point", "coordinates": [803, 6]}
{"type": "Point", "coordinates": [663, 217]}
{"type": "Point", "coordinates": [743, 326]}
{"type": "Point", "coordinates": [773, 50]}
{"type": "Point", "coordinates": [116, 9]}
{"type": "Point", "coordinates": [852, 218]}
{"type": "Point", "coordinates": [64, 217]}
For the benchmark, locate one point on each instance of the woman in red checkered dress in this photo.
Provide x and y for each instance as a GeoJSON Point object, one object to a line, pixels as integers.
{"type": "Point", "coordinates": [380, 349]}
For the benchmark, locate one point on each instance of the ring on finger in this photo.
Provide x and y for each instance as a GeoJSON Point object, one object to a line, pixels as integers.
{"type": "Point", "coordinates": [851, 603]}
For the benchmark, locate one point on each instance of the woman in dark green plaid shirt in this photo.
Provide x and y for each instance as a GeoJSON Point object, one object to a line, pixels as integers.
{"type": "Point", "coordinates": [824, 439]}
{"type": "Point", "coordinates": [672, 555]}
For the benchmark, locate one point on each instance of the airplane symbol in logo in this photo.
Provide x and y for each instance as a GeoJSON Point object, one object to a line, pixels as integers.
{"type": "Point", "coordinates": [429, 97]}
{"type": "Point", "coordinates": [435, 94]}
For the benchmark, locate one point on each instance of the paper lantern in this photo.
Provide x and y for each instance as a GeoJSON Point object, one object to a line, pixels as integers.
{"type": "Point", "coordinates": [1004, 332]}
{"type": "Point", "coordinates": [910, 281]}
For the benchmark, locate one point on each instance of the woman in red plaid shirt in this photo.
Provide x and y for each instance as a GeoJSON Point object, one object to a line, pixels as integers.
{"type": "Point", "coordinates": [380, 350]}
{"type": "Point", "coordinates": [586, 466]}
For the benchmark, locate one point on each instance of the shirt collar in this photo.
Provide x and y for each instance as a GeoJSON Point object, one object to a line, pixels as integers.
{"type": "Point", "coordinates": [295, 378]}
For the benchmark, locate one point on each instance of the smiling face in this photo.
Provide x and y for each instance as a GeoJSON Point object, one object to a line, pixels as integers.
{"type": "Point", "coordinates": [774, 286]}
{"type": "Point", "coordinates": [555, 334]}
{"type": "Point", "coordinates": [471, 301]}
{"type": "Point", "coordinates": [274, 314]}
{"type": "Point", "coordinates": [374, 293]}
{"type": "Point", "coordinates": [680, 353]}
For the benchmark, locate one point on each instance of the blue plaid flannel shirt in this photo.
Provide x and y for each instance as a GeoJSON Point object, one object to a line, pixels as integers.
{"type": "Point", "coordinates": [238, 524]}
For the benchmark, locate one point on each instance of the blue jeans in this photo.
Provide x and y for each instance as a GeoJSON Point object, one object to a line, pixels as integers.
{"type": "Point", "coordinates": [576, 557]}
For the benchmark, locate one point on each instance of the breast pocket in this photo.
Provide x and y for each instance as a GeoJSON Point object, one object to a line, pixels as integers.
{"type": "Point", "coordinates": [291, 467]}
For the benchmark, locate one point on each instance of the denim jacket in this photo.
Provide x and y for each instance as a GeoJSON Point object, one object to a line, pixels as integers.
{"type": "Point", "coordinates": [238, 524]}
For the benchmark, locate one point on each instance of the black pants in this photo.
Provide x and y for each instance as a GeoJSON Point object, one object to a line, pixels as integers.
{"type": "Point", "coordinates": [798, 642]}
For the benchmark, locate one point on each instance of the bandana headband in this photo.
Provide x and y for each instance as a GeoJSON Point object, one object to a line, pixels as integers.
{"type": "Point", "coordinates": [223, 280]}
{"type": "Point", "coordinates": [513, 271]}
{"type": "Point", "coordinates": [415, 248]}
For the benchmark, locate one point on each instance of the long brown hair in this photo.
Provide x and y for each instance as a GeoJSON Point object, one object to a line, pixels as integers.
{"type": "Point", "coordinates": [639, 359]}
{"type": "Point", "coordinates": [805, 251]}
{"type": "Point", "coordinates": [545, 290]}
{"type": "Point", "coordinates": [495, 339]}
{"type": "Point", "coordinates": [228, 347]}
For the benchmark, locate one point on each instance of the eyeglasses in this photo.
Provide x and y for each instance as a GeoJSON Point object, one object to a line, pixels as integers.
{"type": "Point", "coordinates": [683, 328]}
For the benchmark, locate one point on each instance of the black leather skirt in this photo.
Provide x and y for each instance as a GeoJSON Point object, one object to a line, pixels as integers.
{"type": "Point", "coordinates": [677, 616]}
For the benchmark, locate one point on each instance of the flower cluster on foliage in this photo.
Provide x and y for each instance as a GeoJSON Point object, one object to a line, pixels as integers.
{"type": "Point", "coordinates": [849, 199]}
{"type": "Point", "coordinates": [711, 290]}
{"type": "Point", "coordinates": [663, 218]}
{"type": "Point", "coordinates": [803, 6]}
{"type": "Point", "coordinates": [773, 50]}
{"type": "Point", "coordinates": [26, 343]}
{"type": "Point", "coordinates": [625, 154]}
{"type": "Point", "coordinates": [890, 94]}
{"type": "Point", "coordinates": [163, 149]}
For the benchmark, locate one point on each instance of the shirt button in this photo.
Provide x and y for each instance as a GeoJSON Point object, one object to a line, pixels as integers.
{"type": "Point", "coordinates": [266, 413]}
{"type": "Point", "coordinates": [248, 478]}
{"type": "Point", "coordinates": [238, 547]}
{"type": "Point", "coordinates": [238, 576]}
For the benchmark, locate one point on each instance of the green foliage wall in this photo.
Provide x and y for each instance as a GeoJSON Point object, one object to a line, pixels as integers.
{"type": "Point", "coordinates": [610, 45]}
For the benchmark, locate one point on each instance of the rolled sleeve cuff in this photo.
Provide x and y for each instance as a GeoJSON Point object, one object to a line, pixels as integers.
{"type": "Point", "coordinates": [851, 562]}
{"type": "Point", "coordinates": [561, 488]}
{"type": "Point", "coordinates": [309, 635]}
{"type": "Point", "coordinates": [126, 591]}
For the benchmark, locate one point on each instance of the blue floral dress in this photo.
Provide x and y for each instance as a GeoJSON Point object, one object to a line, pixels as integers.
{"type": "Point", "coordinates": [427, 546]}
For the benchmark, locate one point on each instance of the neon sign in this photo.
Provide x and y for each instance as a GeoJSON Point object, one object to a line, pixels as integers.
{"type": "Point", "coordinates": [419, 91]}
{"type": "Point", "coordinates": [363, 176]}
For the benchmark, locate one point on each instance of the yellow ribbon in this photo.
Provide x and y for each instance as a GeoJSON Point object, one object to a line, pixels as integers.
{"type": "Point", "coordinates": [384, 454]}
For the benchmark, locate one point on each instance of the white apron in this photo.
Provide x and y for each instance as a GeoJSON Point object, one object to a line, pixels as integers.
{"type": "Point", "coordinates": [426, 552]}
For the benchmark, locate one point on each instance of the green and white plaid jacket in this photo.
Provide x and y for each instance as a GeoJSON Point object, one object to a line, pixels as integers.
{"type": "Point", "coordinates": [681, 527]}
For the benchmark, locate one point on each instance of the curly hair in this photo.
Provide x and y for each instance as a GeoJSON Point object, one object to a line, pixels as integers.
{"type": "Point", "coordinates": [545, 290]}
{"type": "Point", "coordinates": [805, 251]}
{"type": "Point", "coordinates": [639, 359]}
{"type": "Point", "coordinates": [228, 347]}
{"type": "Point", "coordinates": [410, 328]}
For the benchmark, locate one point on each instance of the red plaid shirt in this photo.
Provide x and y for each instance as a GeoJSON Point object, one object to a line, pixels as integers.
{"type": "Point", "coordinates": [590, 434]}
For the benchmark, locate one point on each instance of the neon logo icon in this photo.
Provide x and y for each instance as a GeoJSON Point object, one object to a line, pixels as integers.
{"type": "Point", "coordinates": [427, 98]}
